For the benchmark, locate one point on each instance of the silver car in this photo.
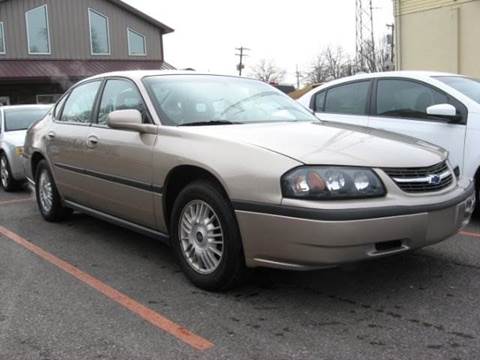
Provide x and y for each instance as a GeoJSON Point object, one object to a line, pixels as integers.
{"type": "Point", "coordinates": [14, 122]}
{"type": "Point", "coordinates": [233, 174]}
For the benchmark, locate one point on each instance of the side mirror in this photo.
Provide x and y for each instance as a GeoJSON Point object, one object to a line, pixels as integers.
{"type": "Point", "coordinates": [130, 120]}
{"type": "Point", "coordinates": [446, 111]}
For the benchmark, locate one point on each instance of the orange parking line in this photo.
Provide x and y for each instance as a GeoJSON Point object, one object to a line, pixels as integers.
{"type": "Point", "coordinates": [472, 234]}
{"type": "Point", "coordinates": [145, 313]}
{"type": "Point", "coordinates": [16, 201]}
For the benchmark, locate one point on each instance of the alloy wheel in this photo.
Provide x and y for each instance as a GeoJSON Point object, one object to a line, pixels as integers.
{"type": "Point", "coordinates": [45, 190]}
{"type": "Point", "coordinates": [4, 174]}
{"type": "Point", "coordinates": [201, 236]}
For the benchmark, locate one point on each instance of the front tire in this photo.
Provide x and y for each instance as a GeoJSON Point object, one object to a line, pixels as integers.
{"type": "Point", "coordinates": [206, 238]}
{"type": "Point", "coordinates": [7, 182]}
{"type": "Point", "coordinates": [48, 199]}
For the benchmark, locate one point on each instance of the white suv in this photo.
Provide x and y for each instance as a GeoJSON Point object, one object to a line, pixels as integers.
{"type": "Point", "coordinates": [443, 109]}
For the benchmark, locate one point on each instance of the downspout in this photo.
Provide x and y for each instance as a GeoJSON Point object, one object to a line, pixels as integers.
{"type": "Point", "coordinates": [398, 31]}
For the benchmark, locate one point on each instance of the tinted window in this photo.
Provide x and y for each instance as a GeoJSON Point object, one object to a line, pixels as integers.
{"type": "Point", "coordinates": [319, 102]}
{"type": "Point", "coordinates": [403, 98]}
{"type": "Point", "coordinates": [79, 106]}
{"type": "Point", "coordinates": [119, 95]}
{"type": "Point", "coordinates": [348, 99]}
{"type": "Point", "coordinates": [2, 39]}
{"type": "Point", "coordinates": [468, 87]}
{"type": "Point", "coordinates": [37, 31]}
{"type": "Point", "coordinates": [190, 99]}
{"type": "Point", "coordinates": [21, 119]}
{"type": "Point", "coordinates": [99, 33]}
{"type": "Point", "coordinates": [136, 43]}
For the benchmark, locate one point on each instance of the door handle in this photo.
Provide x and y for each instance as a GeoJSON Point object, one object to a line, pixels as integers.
{"type": "Point", "coordinates": [92, 141]}
{"type": "Point", "coordinates": [51, 135]}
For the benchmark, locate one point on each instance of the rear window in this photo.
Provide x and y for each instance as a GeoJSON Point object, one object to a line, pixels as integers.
{"type": "Point", "coordinates": [348, 99]}
{"type": "Point", "coordinates": [467, 86]}
{"type": "Point", "coordinates": [22, 119]}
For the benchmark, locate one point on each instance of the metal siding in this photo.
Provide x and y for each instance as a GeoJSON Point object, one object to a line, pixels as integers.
{"type": "Point", "coordinates": [411, 6]}
{"type": "Point", "coordinates": [69, 30]}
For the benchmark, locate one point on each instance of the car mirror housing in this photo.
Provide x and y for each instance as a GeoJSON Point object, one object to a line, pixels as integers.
{"type": "Point", "coordinates": [130, 120]}
{"type": "Point", "coordinates": [446, 111]}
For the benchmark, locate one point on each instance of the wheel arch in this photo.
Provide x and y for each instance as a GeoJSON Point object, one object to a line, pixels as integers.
{"type": "Point", "coordinates": [34, 161]}
{"type": "Point", "coordinates": [181, 176]}
{"type": "Point", "coordinates": [6, 150]}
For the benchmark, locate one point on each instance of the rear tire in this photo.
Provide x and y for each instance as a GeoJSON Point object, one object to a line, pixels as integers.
{"type": "Point", "coordinates": [206, 239]}
{"type": "Point", "coordinates": [48, 199]}
{"type": "Point", "coordinates": [7, 182]}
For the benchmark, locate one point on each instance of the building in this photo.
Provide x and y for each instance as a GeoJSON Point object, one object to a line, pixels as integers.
{"type": "Point", "coordinates": [47, 45]}
{"type": "Point", "coordinates": [439, 35]}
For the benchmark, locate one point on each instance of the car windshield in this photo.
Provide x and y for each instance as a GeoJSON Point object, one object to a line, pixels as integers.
{"type": "Point", "coordinates": [218, 100]}
{"type": "Point", "coordinates": [21, 119]}
{"type": "Point", "coordinates": [467, 86]}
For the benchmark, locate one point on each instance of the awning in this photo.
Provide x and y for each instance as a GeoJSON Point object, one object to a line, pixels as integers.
{"type": "Point", "coordinates": [21, 70]}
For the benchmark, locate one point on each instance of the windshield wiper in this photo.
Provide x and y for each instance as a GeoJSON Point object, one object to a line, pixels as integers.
{"type": "Point", "coordinates": [212, 122]}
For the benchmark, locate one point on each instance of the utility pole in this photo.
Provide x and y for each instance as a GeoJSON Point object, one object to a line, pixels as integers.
{"type": "Point", "coordinates": [298, 75]}
{"type": "Point", "coordinates": [241, 54]}
{"type": "Point", "coordinates": [392, 41]}
{"type": "Point", "coordinates": [372, 37]}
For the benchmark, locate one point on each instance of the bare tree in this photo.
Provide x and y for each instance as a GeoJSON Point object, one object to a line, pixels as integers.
{"type": "Point", "coordinates": [375, 58]}
{"type": "Point", "coordinates": [328, 65]}
{"type": "Point", "coordinates": [383, 55]}
{"type": "Point", "coordinates": [267, 71]}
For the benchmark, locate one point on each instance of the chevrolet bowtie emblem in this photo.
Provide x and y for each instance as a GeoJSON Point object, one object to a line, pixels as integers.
{"type": "Point", "coordinates": [434, 179]}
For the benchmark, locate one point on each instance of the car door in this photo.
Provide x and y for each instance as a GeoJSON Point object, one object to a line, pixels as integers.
{"type": "Point", "coordinates": [345, 103]}
{"type": "Point", "coordinates": [66, 145]}
{"type": "Point", "coordinates": [400, 105]}
{"type": "Point", "coordinates": [120, 161]}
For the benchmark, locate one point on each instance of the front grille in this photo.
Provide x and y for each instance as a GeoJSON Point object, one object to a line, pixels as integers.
{"type": "Point", "coordinates": [418, 180]}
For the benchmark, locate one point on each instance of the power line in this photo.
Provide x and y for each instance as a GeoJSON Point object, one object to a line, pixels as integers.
{"type": "Point", "coordinates": [242, 54]}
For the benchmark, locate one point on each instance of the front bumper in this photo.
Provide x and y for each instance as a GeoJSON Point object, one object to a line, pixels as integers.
{"type": "Point", "coordinates": [290, 240]}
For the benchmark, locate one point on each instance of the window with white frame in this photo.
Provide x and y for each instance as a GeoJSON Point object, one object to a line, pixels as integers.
{"type": "Point", "coordinates": [48, 98]}
{"type": "Point", "coordinates": [38, 33]}
{"type": "Point", "coordinates": [99, 33]}
{"type": "Point", "coordinates": [136, 43]}
{"type": "Point", "coordinates": [2, 39]}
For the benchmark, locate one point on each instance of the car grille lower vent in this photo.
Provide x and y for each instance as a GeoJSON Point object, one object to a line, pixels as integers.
{"type": "Point", "coordinates": [418, 180]}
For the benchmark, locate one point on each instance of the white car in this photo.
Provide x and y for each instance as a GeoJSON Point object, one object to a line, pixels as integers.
{"type": "Point", "coordinates": [14, 122]}
{"type": "Point", "coordinates": [440, 108]}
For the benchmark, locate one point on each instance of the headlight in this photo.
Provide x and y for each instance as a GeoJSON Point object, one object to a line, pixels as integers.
{"type": "Point", "coordinates": [19, 150]}
{"type": "Point", "coordinates": [331, 182]}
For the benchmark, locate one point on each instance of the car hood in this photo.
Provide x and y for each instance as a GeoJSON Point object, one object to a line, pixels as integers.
{"type": "Point", "coordinates": [15, 138]}
{"type": "Point", "coordinates": [331, 143]}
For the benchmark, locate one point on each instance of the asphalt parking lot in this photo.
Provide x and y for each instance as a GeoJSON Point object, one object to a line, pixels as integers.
{"type": "Point", "coordinates": [84, 289]}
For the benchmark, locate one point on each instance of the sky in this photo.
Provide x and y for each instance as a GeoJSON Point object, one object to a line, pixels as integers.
{"type": "Point", "coordinates": [290, 33]}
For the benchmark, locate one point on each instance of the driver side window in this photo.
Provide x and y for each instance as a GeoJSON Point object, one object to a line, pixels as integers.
{"type": "Point", "coordinates": [406, 99]}
{"type": "Point", "coordinates": [120, 95]}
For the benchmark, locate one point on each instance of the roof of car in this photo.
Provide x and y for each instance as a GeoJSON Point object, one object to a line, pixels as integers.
{"type": "Point", "coordinates": [406, 74]}
{"type": "Point", "coordinates": [140, 74]}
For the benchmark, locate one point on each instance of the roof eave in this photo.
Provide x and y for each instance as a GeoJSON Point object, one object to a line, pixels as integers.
{"type": "Point", "coordinates": [165, 29]}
